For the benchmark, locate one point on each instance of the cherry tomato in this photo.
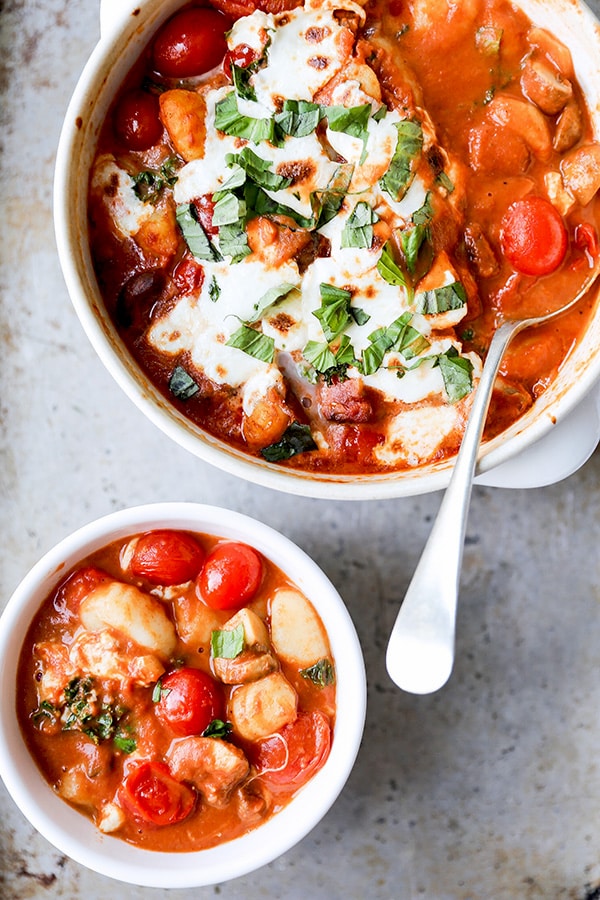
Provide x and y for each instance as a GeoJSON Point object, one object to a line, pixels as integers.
{"type": "Point", "coordinates": [152, 794]}
{"type": "Point", "coordinates": [167, 557]}
{"type": "Point", "coordinates": [190, 43]}
{"type": "Point", "coordinates": [190, 700]}
{"type": "Point", "coordinates": [230, 577]}
{"type": "Point", "coordinates": [205, 208]}
{"type": "Point", "coordinates": [188, 275]}
{"type": "Point", "coordinates": [533, 236]}
{"type": "Point", "coordinates": [241, 56]}
{"type": "Point", "coordinates": [306, 741]}
{"type": "Point", "coordinates": [77, 587]}
{"type": "Point", "coordinates": [137, 121]}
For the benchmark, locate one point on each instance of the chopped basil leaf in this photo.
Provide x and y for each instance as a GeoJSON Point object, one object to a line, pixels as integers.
{"type": "Point", "coordinates": [227, 644]}
{"type": "Point", "coordinates": [320, 355]}
{"type": "Point", "coordinates": [45, 710]}
{"type": "Point", "coordinates": [228, 209]}
{"type": "Point", "coordinates": [400, 335]}
{"type": "Point", "coordinates": [181, 384]}
{"type": "Point", "coordinates": [329, 361]}
{"type": "Point", "coordinates": [194, 234]}
{"type": "Point", "coordinates": [326, 204]}
{"type": "Point", "coordinates": [411, 241]}
{"type": "Point", "coordinates": [236, 179]}
{"type": "Point", "coordinates": [445, 182]}
{"type": "Point", "coordinates": [218, 729]}
{"type": "Point", "coordinates": [350, 120]}
{"type": "Point", "coordinates": [457, 372]}
{"type": "Point", "coordinates": [321, 673]}
{"type": "Point", "coordinates": [233, 241]}
{"type": "Point", "coordinates": [259, 203]}
{"type": "Point", "coordinates": [298, 118]}
{"type": "Point", "coordinates": [148, 184]}
{"type": "Point", "coordinates": [158, 692]}
{"type": "Point", "coordinates": [241, 82]}
{"type": "Point", "coordinates": [229, 120]}
{"type": "Point", "coordinates": [439, 300]}
{"type": "Point", "coordinates": [258, 169]}
{"type": "Point", "coordinates": [334, 312]}
{"type": "Point", "coordinates": [401, 171]}
{"type": "Point", "coordinates": [214, 291]}
{"type": "Point", "coordinates": [124, 744]}
{"type": "Point", "coordinates": [81, 703]}
{"type": "Point", "coordinates": [388, 268]}
{"type": "Point", "coordinates": [380, 114]}
{"type": "Point", "coordinates": [358, 230]}
{"type": "Point", "coordinates": [254, 343]}
{"type": "Point", "coordinates": [359, 315]}
{"type": "Point", "coordinates": [272, 296]}
{"type": "Point", "coordinates": [424, 214]}
{"type": "Point", "coordinates": [296, 439]}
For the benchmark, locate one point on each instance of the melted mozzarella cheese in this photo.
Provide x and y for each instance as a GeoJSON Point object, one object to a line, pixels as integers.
{"type": "Point", "coordinates": [116, 187]}
{"type": "Point", "coordinates": [306, 51]}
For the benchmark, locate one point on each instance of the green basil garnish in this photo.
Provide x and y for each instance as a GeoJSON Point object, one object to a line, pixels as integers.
{"type": "Point", "coordinates": [195, 236]}
{"type": "Point", "coordinates": [227, 644]}
{"type": "Point", "coordinates": [296, 439]}
{"type": "Point", "coordinates": [334, 312]}
{"type": "Point", "coordinates": [442, 299]}
{"type": "Point", "coordinates": [258, 169]}
{"type": "Point", "coordinates": [218, 729]}
{"type": "Point", "coordinates": [254, 343]}
{"type": "Point", "coordinates": [457, 372]}
{"type": "Point", "coordinates": [321, 673]}
{"type": "Point", "coordinates": [230, 120]}
{"type": "Point", "coordinates": [298, 118]}
{"type": "Point", "coordinates": [402, 168]}
{"type": "Point", "coordinates": [181, 384]}
{"type": "Point", "coordinates": [358, 230]}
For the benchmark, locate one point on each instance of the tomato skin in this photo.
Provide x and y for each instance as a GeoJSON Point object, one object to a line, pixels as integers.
{"type": "Point", "coordinates": [167, 557]}
{"type": "Point", "coordinates": [151, 794]}
{"type": "Point", "coordinates": [586, 238]}
{"type": "Point", "coordinates": [230, 577]}
{"type": "Point", "coordinates": [190, 43]}
{"type": "Point", "coordinates": [205, 207]}
{"type": "Point", "coordinates": [189, 277]}
{"type": "Point", "coordinates": [241, 56]}
{"type": "Point", "coordinates": [136, 120]}
{"type": "Point", "coordinates": [190, 700]}
{"type": "Point", "coordinates": [77, 587]}
{"type": "Point", "coordinates": [533, 237]}
{"type": "Point", "coordinates": [308, 740]}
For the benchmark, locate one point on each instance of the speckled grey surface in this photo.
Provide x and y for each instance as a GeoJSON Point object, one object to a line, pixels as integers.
{"type": "Point", "coordinates": [488, 790]}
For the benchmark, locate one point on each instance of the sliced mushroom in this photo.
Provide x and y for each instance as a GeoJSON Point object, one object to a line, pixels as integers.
{"type": "Point", "coordinates": [581, 172]}
{"type": "Point", "coordinates": [569, 127]}
{"type": "Point", "coordinates": [545, 86]}
{"type": "Point", "coordinates": [526, 120]}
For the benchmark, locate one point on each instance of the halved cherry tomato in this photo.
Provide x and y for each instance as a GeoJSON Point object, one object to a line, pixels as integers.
{"type": "Point", "coordinates": [151, 794]}
{"type": "Point", "coordinates": [136, 120]}
{"type": "Point", "coordinates": [205, 207]}
{"type": "Point", "coordinates": [76, 588]}
{"type": "Point", "coordinates": [190, 699]}
{"type": "Point", "coordinates": [190, 43]}
{"type": "Point", "coordinates": [241, 56]}
{"type": "Point", "coordinates": [533, 236]}
{"type": "Point", "coordinates": [230, 577]}
{"type": "Point", "coordinates": [167, 557]}
{"type": "Point", "coordinates": [306, 741]}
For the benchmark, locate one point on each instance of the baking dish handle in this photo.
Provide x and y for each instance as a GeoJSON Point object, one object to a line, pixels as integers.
{"type": "Point", "coordinates": [114, 13]}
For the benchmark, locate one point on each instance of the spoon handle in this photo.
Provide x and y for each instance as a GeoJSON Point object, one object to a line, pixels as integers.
{"type": "Point", "coordinates": [420, 652]}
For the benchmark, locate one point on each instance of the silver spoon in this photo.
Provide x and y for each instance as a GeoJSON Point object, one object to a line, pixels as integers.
{"type": "Point", "coordinates": [420, 652]}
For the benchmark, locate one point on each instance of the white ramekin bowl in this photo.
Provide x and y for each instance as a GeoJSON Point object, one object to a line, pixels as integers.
{"type": "Point", "coordinates": [75, 835]}
{"type": "Point", "coordinates": [126, 29]}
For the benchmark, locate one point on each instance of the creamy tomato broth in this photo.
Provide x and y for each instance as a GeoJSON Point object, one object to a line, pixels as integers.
{"type": "Point", "coordinates": [177, 689]}
{"type": "Point", "coordinates": [306, 222]}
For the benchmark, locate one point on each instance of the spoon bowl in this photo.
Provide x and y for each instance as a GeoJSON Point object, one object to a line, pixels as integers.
{"type": "Point", "coordinates": [420, 653]}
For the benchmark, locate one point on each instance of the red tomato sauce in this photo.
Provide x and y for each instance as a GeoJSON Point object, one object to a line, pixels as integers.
{"type": "Point", "coordinates": [135, 718]}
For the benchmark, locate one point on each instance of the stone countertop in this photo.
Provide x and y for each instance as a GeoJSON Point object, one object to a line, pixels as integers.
{"type": "Point", "coordinates": [487, 790]}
